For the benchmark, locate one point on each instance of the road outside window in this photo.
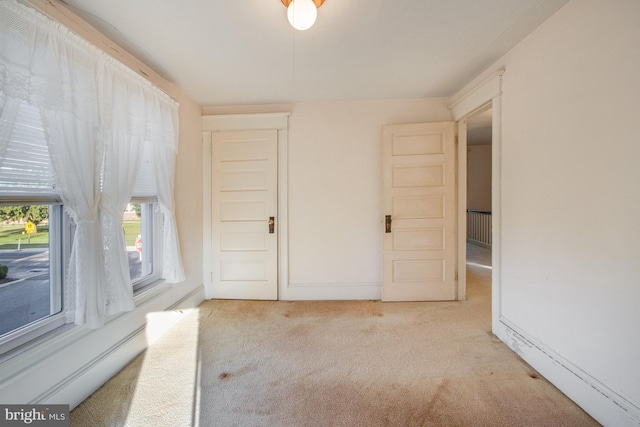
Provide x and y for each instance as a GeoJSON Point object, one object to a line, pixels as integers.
{"type": "Point", "coordinates": [27, 293]}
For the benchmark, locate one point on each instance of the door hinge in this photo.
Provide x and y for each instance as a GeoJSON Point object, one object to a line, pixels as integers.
{"type": "Point", "coordinates": [456, 276]}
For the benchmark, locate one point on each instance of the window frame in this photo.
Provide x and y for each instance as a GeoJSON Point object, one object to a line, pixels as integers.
{"type": "Point", "coordinates": [61, 234]}
{"type": "Point", "coordinates": [151, 225]}
{"type": "Point", "coordinates": [61, 229]}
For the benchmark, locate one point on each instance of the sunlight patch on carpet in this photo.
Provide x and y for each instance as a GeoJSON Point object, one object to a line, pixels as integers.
{"type": "Point", "coordinates": [166, 387]}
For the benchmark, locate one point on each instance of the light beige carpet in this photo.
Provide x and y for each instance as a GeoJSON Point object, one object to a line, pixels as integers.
{"type": "Point", "coordinates": [248, 363]}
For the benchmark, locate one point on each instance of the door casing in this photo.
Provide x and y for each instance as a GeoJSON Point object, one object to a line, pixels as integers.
{"type": "Point", "coordinates": [466, 104]}
{"type": "Point", "coordinates": [239, 122]}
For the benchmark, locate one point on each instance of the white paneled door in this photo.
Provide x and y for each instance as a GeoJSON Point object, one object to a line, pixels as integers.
{"type": "Point", "coordinates": [244, 215]}
{"type": "Point", "coordinates": [419, 204]}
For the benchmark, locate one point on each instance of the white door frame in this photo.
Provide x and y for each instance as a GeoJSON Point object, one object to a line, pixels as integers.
{"type": "Point", "coordinates": [465, 105]}
{"type": "Point", "coordinates": [239, 122]}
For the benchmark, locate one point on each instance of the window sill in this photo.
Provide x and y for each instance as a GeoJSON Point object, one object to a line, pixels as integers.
{"type": "Point", "coordinates": [150, 291]}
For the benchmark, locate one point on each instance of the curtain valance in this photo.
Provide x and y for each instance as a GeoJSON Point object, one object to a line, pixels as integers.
{"type": "Point", "coordinates": [98, 117]}
{"type": "Point", "coordinates": [47, 65]}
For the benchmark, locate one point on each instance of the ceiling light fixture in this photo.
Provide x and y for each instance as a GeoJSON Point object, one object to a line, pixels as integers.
{"type": "Point", "coordinates": [302, 14]}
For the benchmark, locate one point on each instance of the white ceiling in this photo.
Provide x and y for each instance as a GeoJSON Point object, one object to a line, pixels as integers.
{"type": "Point", "coordinates": [224, 52]}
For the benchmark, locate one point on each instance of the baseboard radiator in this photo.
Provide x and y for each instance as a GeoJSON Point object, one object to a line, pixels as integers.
{"type": "Point", "coordinates": [479, 227]}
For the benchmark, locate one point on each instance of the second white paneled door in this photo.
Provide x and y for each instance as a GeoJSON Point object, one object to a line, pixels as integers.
{"type": "Point", "coordinates": [244, 214]}
{"type": "Point", "coordinates": [419, 203]}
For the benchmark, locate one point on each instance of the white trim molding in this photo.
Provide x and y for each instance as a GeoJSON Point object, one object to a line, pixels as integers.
{"type": "Point", "coordinates": [461, 215]}
{"type": "Point", "coordinates": [233, 122]}
{"type": "Point", "coordinates": [466, 103]}
{"type": "Point", "coordinates": [602, 403]}
{"type": "Point", "coordinates": [230, 122]}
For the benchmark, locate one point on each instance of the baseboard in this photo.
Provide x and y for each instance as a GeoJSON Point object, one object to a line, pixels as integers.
{"type": "Point", "coordinates": [332, 291]}
{"type": "Point", "coordinates": [75, 388]}
{"type": "Point", "coordinates": [192, 299]}
{"type": "Point", "coordinates": [603, 404]}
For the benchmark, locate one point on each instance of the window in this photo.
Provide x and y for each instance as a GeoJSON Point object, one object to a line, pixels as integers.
{"type": "Point", "coordinates": [110, 138]}
{"type": "Point", "coordinates": [36, 234]}
{"type": "Point", "coordinates": [144, 228]}
{"type": "Point", "coordinates": [32, 224]}
{"type": "Point", "coordinates": [31, 293]}
{"type": "Point", "coordinates": [142, 232]}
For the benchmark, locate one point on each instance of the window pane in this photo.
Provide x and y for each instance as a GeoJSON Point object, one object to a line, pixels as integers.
{"type": "Point", "coordinates": [138, 231]}
{"type": "Point", "coordinates": [28, 293]}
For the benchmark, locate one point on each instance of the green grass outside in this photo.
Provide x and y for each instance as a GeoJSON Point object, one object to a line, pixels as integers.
{"type": "Point", "coordinates": [9, 235]}
{"type": "Point", "coordinates": [131, 231]}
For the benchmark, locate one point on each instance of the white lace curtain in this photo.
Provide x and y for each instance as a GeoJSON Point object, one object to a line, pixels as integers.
{"type": "Point", "coordinates": [97, 115]}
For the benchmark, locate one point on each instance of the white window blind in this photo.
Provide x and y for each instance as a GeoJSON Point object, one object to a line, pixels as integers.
{"type": "Point", "coordinates": [145, 187]}
{"type": "Point", "coordinates": [25, 168]}
{"type": "Point", "coordinates": [26, 171]}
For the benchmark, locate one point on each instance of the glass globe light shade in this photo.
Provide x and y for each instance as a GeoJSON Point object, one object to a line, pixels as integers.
{"type": "Point", "coordinates": [302, 14]}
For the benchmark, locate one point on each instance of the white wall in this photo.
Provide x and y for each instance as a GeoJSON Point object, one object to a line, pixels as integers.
{"type": "Point", "coordinates": [69, 366]}
{"type": "Point", "coordinates": [479, 177]}
{"type": "Point", "coordinates": [334, 170]}
{"type": "Point", "coordinates": [570, 293]}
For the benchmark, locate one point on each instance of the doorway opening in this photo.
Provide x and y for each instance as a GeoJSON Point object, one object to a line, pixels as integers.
{"type": "Point", "coordinates": [479, 202]}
